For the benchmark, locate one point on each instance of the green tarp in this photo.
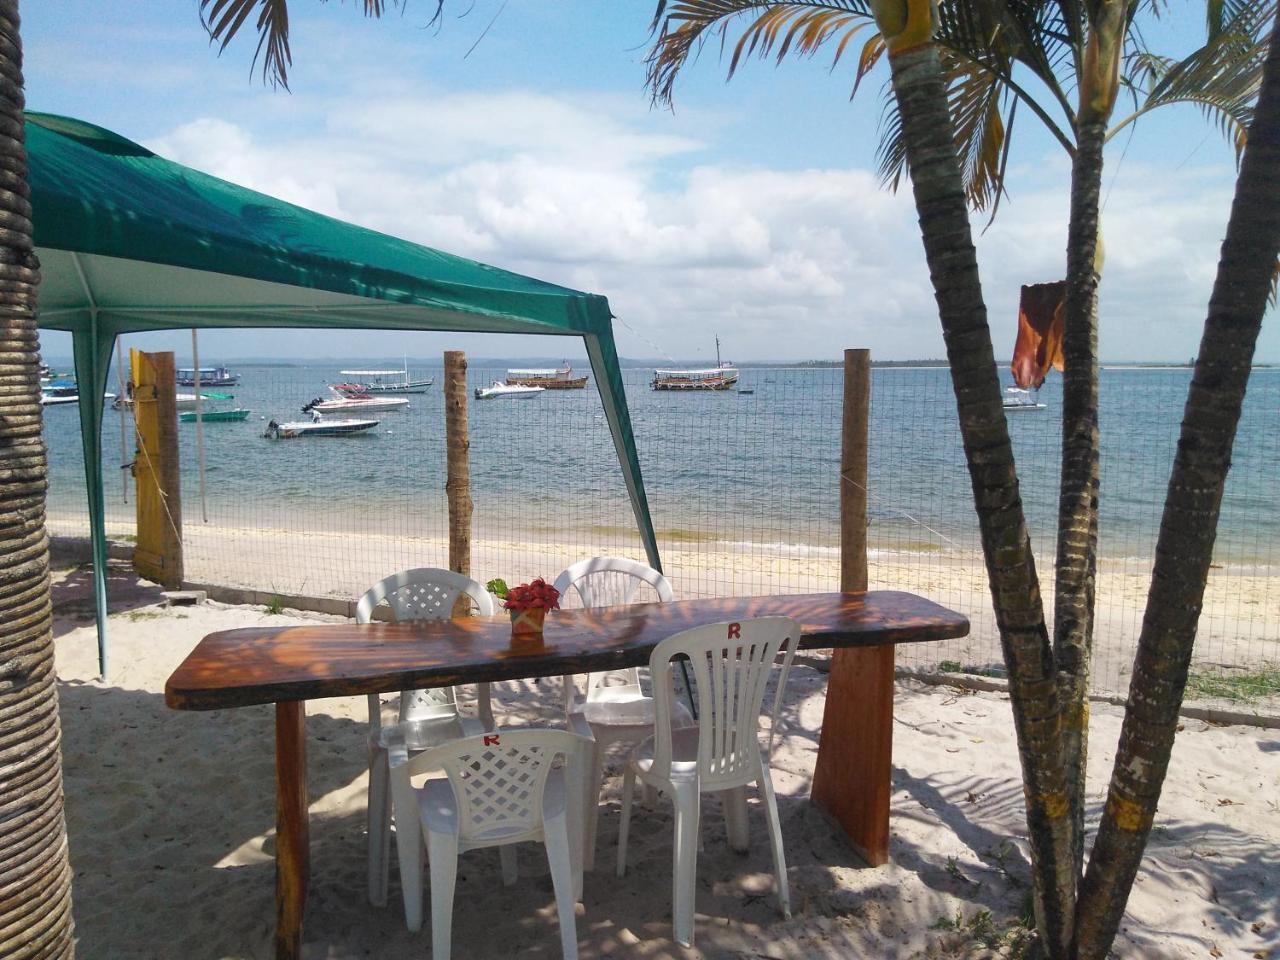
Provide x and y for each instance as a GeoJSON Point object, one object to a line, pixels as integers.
{"type": "Point", "coordinates": [129, 241]}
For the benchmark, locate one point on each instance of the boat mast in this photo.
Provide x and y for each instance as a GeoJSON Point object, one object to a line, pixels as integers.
{"type": "Point", "coordinates": [717, 352]}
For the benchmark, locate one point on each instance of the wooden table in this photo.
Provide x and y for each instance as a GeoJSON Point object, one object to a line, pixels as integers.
{"type": "Point", "coordinates": [289, 665]}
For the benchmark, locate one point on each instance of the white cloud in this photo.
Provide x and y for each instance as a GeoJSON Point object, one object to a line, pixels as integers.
{"type": "Point", "coordinates": [782, 263]}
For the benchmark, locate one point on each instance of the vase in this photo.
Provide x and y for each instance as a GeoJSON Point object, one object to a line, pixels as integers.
{"type": "Point", "coordinates": [527, 623]}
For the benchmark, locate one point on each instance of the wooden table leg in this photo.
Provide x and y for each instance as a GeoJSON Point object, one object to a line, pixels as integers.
{"type": "Point", "coordinates": [293, 843]}
{"type": "Point", "coordinates": [851, 776]}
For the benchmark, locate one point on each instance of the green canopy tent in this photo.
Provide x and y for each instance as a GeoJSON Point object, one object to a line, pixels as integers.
{"type": "Point", "coordinates": [129, 241]}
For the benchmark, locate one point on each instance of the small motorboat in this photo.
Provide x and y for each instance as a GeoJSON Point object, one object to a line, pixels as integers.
{"type": "Point", "coordinates": [317, 426]}
{"type": "Point", "coordinates": [354, 403]}
{"type": "Point", "coordinates": [216, 416]}
{"type": "Point", "coordinates": [1018, 400]}
{"type": "Point", "coordinates": [498, 390]}
{"type": "Point", "coordinates": [63, 391]}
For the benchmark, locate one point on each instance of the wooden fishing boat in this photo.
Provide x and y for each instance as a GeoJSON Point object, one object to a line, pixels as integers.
{"type": "Point", "coordinates": [557, 378]}
{"type": "Point", "coordinates": [722, 376]}
{"type": "Point", "coordinates": [209, 377]}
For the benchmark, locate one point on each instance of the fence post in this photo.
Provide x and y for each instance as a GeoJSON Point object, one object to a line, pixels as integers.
{"type": "Point", "coordinates": [157, 486]}
{"type": "Point", "coordinates": [458, 474]}
{"type": "Point", "coordinates": [851, 778]}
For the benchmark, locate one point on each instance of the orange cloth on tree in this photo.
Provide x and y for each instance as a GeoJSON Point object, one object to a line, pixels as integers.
{"type": "Point", "coordinates": [1041, 315]}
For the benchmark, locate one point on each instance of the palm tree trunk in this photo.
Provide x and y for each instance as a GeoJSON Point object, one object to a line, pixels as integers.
{"type": "Point", "coordinates": [1077, 553]}
{"type": "Point", "coordinates": [1189, 526]}
{"type": "Point", "coordinates": [35, 874]}
{"type": "Point", "coordinates": [944, 225]}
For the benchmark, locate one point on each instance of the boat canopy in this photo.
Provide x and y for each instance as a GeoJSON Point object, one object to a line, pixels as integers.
{"type": "Point", "coordinates": [713, 372]}
{"type": "Point", "coordinates": [537, 373]}
{"type": "Point", "coordinates": [372, 373]}
{"type": "Point", "coordinates": [129, 241]}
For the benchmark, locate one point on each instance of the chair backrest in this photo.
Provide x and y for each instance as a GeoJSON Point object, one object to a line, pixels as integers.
{"type": "Point", "coordinates": [498, 779]}
{"type": "Point", "coordinates": [731, 664]}
{"type": "Point", "coordinates": [608, 581]}
{"type": "Point", "coordinates": [425, 593]}
{"type": "Point", "coordinates": [604, 582]}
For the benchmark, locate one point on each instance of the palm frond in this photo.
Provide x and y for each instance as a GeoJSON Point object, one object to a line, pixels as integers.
{"type": "Point", "coordinates": [1222, 77]}
{"type": "Point", "coordinates": [223, 19]}
{"type": "Point", "coordinates": [771, 29]}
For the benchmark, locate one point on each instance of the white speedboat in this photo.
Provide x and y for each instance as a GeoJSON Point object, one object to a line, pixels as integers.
{"type": "Point", "coordinates": [1017, 400]}
{"type": "Point", "coordinates": [357, 403]}
{"type": "Point", "coordinates": [317, 427]}
{"type": "Point", "coordinates": [63, 391]}
{"type": "Point", "coordinates": [506, 391]}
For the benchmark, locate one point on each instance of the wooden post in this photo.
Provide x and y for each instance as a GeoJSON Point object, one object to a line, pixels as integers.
{"type": "Point", "coordinates": [158, 553]}
{"type": "Point", "coordinates": [851, 777]}
{"type": "Point", "coordinates": [293, 831]}
{"type": "Point", "coordinates": [458, 475]}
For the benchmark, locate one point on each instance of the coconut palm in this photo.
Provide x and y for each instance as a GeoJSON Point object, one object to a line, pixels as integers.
{"type": "Point", "coordinates": [35, 875]}
{"type": "Point", "coordinates": [1081, 56]}
{"type": "Point", "coordinates": [956, 71]}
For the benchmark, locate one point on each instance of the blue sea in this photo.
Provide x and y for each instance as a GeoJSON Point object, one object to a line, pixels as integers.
{"type": "Point", "coordinates": [729, 468]}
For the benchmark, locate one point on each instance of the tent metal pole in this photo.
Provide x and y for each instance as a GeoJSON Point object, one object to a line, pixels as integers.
{"type": "Point", "coordinates": [604, 364]}
{"type": "Point", "coordinates": [92, 357]}
{"type": "Point", "coordinates": [195, 360]}
{"type": "Point", "coordinates": [125, 412]}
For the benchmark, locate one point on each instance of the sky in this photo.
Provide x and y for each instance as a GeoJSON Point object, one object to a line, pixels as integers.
{"type": "Point", "coordinates": [520, 133]}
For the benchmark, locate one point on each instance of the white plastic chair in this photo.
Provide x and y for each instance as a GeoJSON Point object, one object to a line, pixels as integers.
{"type": "Point", "coordinates": [426, 593]}
{"type": "Point", "coordinates": [616, 713]}
{"type": "Point", "coordinates": [499, 789]}
{"type": "Point", "coordinates": [731, 664]}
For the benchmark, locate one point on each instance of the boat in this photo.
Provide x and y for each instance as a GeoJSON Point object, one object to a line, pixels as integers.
{"type": "Point", "coordinates": [217, 416]}
{"type": "Point", "coordinates": [317, 426]}
{"type": "Point", "coordinates": [209, 377]}
{"type": "Point", "coordinates": [505, 391]}
{"type": "Point", "coordinates": [722, 376]}
{"type": "Point", "coordinates": [353, 403]}
{"type": "Point", "coordinates": [558, 378]}
{"type": "Point", "coordinates": [384, 381]}
{"type": "Point", "coordinates": [182, 401]}
{"type": "Point", "coordinates": [60, 392]}
{"type": "Point", "coordinates": [1017, 400]}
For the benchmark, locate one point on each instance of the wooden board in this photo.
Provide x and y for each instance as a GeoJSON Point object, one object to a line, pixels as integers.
{"type": "Point", "coordinates": [235, 668]}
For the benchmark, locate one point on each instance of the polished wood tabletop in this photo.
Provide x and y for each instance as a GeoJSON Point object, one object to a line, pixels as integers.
{"type": "Point", "coordinates": [235, 668]}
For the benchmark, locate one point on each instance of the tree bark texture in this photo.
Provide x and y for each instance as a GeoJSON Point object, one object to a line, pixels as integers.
{"type": "Point", "coordinates": [944, 225]}
{"type": "Point", "coordinates": [1076, 567]}
{"type": "Point", "coordinates": [35, 873]}
{"type": "Point", "coordinates": [458, 468]}
{"type": "Point", "coordinates": [1188, 527]}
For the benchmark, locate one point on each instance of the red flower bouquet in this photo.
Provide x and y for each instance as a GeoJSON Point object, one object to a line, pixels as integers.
{"type": "Point", "coordinates": [528, 605]}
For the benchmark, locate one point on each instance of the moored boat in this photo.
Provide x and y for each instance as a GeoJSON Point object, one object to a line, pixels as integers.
{"type": "Point", "coordinates": [354, 403]}
{"type": "Point", "coordinates": [722, 376]}
{"type": "Point", "coordinates": [1017, 400]}
{"type": "Point", "coordinates": [317, 427]}
{"type": "Point", "coordinates": [504, 391]}
{"type": "Point", "coordinates": [216, 416]}
{"type": "Point", "coordinates": [209, 377]}
{"type": "Point", "coordinates": [557, 378]}
{"type": "Point", "coordinates": [384, 381]}
{"type": "Point", "coordinates": [61, 392]}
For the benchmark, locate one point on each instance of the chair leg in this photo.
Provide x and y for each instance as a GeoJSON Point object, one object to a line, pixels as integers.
{"type": "Point", "coordinates": [379, 825]}
{"type": "Point", "coordinates": [442, 856]}
{"type": "Point", "coordinates": [685, 861]}
{"type": "Point", "coordinates": [595, 781]}
{"type": "Point", "coordinates": [409, 849]}
{"type": "Point", "coordinates": [624, 827]}
{"type": "Point", "coordinates": [735, 818]}
{"type": "Point", "coordinates": [559, 859]}
{"type": "Point", "coordinates": [510, 872]}
{"type": "Point", "coordinates": [775, 843]}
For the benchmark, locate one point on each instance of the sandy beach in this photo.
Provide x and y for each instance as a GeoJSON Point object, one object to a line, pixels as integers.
{"type": "Point", "coordinates": [1239, 628]}
{"type": "Point", "coordinates": [171, 828]}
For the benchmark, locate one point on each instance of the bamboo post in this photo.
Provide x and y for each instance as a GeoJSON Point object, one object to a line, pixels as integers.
{"type": "Point", "coordinates": [852, 774]}
{"type": "Point", "coordinates": [158, 552]}
{"type": "Point", "coordinates": [124, 409]}
{"type": "Point", "coordinates": [458, 475]}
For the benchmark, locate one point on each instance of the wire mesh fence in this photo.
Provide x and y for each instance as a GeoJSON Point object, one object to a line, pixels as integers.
{"type": "Point", "coordinates": [743, 489]}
